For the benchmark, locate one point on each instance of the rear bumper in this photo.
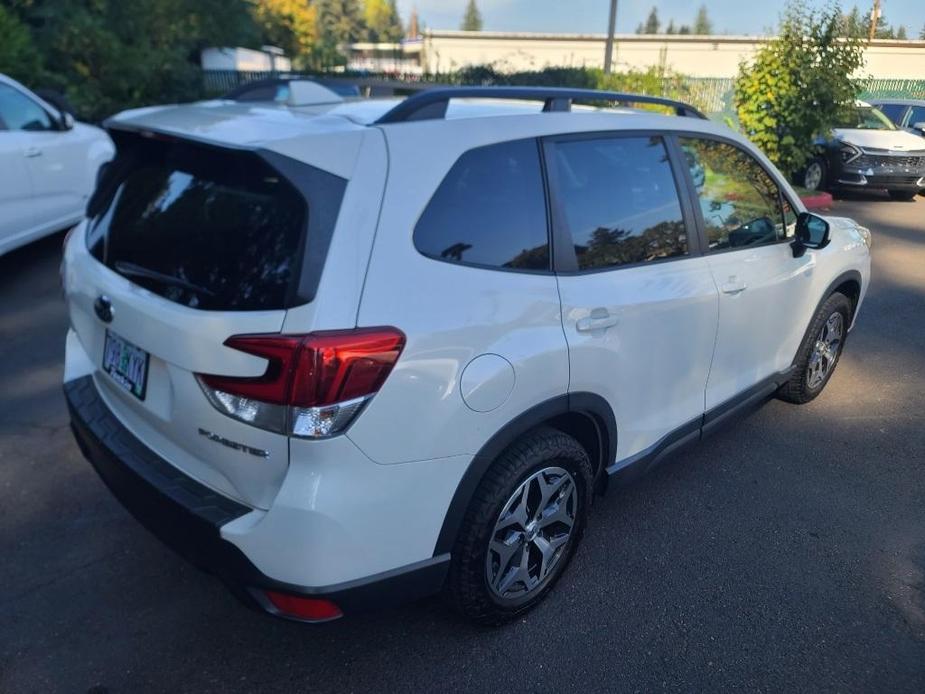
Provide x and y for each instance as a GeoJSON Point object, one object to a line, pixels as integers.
{"type": "Point", "coordinates": [188, 516]}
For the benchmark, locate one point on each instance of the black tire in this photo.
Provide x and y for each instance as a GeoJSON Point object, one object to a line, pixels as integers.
{"type": "Point", "coordinates": [823, 179]}
{"type": "Point", "coordinates": [467, 583]}
{"type": "Point", "coordinates": [902, 195]}
{"type": "Point", "coordinates": [799, 389]}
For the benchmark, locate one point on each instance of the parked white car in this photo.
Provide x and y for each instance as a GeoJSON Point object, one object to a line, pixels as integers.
{"type": "Point", "coordinates": [360, 355]}
{"type": "Point", "coordinates": [48, 166]}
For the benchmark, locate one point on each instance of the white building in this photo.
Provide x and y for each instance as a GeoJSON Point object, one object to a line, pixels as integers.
{"type": "Point", "coordinates": [244, 60]}
{"type": "Point", "coordinates": [695, 56]}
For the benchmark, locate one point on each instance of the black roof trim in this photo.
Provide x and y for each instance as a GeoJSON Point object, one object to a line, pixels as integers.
{"type": "Point", "coordinates": [431, 104]}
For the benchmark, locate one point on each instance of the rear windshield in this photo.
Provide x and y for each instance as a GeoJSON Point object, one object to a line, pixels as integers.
{"type": "Point", "coordinates": [205, 227]}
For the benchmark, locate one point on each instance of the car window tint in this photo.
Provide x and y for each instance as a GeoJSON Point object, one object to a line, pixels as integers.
{"type": "Point", "coordinates": [916, 115]}
{"type": "Point", "coordinates": [19, 112]}
{"type": "Point", "coordinates": [490, 210]}
{"type": "Point", "coordinates": [225, 226]}
{"type": "Point", "coordinates": [892, 111]}
{"type": "Point", "coordinates": [741, 203]}
{"type": "Point", "coordinates": [619, 200]}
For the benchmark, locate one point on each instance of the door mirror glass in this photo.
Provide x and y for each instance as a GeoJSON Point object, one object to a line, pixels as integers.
{"type": "Point", "coordinates": [812, 231]}
{"type": "Point", "coordinates": [66, 120]}
{"type": "Point", "coordinates": [919, 126]}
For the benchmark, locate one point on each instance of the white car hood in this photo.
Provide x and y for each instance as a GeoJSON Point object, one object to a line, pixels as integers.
{"type": "Point", "coordinates": [893, 140]}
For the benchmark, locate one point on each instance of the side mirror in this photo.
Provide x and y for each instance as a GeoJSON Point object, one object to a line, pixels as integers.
{"type": "Point", "coordinates": [811, 232]}
{"type": "Point", "coordinates": [66, 121]}
{"type": "Point", "coordinates": [920, 126]}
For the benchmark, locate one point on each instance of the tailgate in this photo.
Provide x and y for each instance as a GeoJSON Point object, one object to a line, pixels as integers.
{"type": "Point", "coordinates": [174, 418]}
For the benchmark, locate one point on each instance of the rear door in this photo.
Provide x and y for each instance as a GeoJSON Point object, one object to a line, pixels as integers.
{"type": "Point", "coordinates": [639, 306]}
{"type": "Point", "coordinates": [187, 245]}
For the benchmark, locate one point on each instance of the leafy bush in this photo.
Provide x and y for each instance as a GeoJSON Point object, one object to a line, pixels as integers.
{"type": "Point", "coordinates": [798, 85]}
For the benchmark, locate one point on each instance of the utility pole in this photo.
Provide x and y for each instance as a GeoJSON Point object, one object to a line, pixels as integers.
{"type": "Point", "coordinates": [874, 20]}
{"type": "Point", "coordinates": [611, 29]}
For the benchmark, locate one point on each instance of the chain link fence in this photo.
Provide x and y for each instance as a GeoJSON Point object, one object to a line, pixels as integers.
{"type": "Point", "coordinates": [712, 94]}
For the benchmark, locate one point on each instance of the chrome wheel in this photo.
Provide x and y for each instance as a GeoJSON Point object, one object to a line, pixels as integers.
{"type": "Point", "coordinates": [531, 534]}
{"type": "Point", "coordinates": [825, 350]}
{"type": "Point", "coordinates": [812, 179]}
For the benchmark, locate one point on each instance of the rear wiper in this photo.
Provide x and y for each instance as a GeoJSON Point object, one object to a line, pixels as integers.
{"type": "Point", "coordinates": [132, 270]}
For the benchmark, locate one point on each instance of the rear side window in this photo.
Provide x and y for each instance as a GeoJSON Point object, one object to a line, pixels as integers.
{"type": "Point", "coordinates": [490, 210]}
{"type": "Point", "coordinates": [618, 198]}
{"type": "Point", "coordinates": [205, 227]}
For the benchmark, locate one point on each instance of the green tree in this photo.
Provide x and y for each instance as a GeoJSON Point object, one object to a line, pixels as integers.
{"type": "Point", "coordinates": [901, 33]}
{"type": "Point", "coordinates": [652, 22]}
{"type": "Point", "coordinates": [290, 24]}
{"type": "Point", "coordinates": [684, 29]}
{"type": "Point", "coordinates": [799, 85]}
{"type": "Point", "coordinates": [382, 21]}
{"type": "Point", "coordinates": [670, 29]}
{"type": "Point", "coordinates": [883, 30]}
{"type": "Point", "coordinates": [702, 23]}
{"type": "Point", "coordinates": [108, 55]}
{"type": "Point", "coordinates": [18, 56]}
{"type": "Point", "coordinates": [853, 25]}
{"type": "Point", "coordinates": [339, 22]}
{"type": "Point", "coordinates": [922, 33]}
{"type": "Point", "coordinates": [472, 19]}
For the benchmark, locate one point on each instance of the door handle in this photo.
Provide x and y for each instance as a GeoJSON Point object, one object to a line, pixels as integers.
{"type": "Point", "coordinates": [599, 319]}
{"type": "Point", "coordinates": [734, 287]}
{"type": "Point", "coordinates": [32, 152]}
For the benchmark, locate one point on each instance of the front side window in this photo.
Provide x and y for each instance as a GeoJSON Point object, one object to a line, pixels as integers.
{"type": "Point", "coordinates": [19, 112]}
{"type": "Point", "coordinates": [742, 206]}
{"type": "Point", "coordinates": [619, 200]}
{"type": "Point", "coordinates": [490, 210]}
{"type": "Point", "coordinates": [916, 115]}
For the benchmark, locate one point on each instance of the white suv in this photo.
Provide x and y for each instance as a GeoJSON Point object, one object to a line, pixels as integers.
{"type": "Point", "coordinates": [48, 166]}
{"type": "Point", "coordinates": [352, 354]}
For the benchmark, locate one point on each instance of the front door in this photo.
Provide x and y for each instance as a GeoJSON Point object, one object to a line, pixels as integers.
{"type": "Point", "coordinates": [748, 224]}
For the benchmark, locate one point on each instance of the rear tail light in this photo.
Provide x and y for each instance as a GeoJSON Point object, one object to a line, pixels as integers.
{"type": "Point", "coordinates": [314, 385]}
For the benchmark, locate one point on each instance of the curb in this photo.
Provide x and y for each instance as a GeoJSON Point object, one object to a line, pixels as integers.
{"type": "Point", "coordinates": [819, 201]}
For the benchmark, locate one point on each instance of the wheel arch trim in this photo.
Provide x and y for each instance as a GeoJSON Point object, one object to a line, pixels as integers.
{"type": "Point", "coordinates": [590, 405]}
{"type": "Point", "coordinates": [843, 278]}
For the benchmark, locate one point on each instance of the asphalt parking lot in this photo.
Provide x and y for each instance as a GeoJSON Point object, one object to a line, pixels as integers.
{"type": "Point", "coordinates": [785, 553]}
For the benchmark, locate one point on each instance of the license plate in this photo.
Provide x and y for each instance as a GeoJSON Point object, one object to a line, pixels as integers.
{"type": "Point", "coordinates": [127, 364]}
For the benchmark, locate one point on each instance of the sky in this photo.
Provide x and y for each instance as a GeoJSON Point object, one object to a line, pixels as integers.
{"type": "Point", "coordinates": [590, 16]}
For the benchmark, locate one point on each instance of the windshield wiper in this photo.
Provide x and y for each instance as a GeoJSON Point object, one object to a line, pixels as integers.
{"type": "Point", "coordinates": [132, 270]}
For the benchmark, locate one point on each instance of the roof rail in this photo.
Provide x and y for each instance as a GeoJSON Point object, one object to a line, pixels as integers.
{"type": "Point", "coordinates": [431, 104]}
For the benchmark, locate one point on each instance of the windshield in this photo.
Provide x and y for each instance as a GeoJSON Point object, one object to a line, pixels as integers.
{"type": "Point", "coordinates": [866, 118]}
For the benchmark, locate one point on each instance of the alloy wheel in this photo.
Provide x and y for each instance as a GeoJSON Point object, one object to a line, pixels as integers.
{"type": "Point", "coordinates": [812, 179]}
{"type": "Point", "coordinates": [825, 350]}
{"type": "Point", "coordinates": [531, 534]}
